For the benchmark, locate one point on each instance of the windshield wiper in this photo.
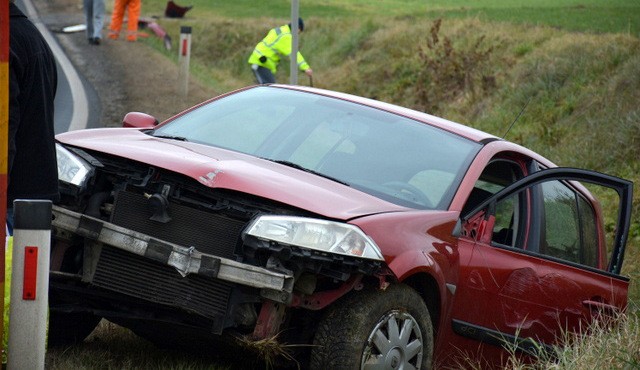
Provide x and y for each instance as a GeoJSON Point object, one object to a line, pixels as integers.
{"type": "Point", "coordinates": [179, 138]}
{"type": "Point", "coordinates": [302, 168]}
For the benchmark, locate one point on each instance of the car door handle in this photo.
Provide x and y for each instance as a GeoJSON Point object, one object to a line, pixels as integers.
{"type": "Point", "coordinates": [601, 307]}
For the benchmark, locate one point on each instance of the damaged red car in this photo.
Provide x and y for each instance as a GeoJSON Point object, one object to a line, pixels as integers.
{"type": "Point", "coordinates": [378, 236]}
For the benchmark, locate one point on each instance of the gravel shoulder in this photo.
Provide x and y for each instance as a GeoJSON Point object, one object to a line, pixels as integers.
{"type": "Point", "coordinates": [126, 76]}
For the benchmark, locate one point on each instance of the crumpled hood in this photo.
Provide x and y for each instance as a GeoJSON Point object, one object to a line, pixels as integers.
{"type": "Point", "coordinates": [220, 168]}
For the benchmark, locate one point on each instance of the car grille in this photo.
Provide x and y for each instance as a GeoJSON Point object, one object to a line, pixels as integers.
{"type": "Point", "coordinates": [190, 227]}
{"type": "Point", "coordinates": [142, 278]}
{"type": "Point", "coordinates": [139, 277]}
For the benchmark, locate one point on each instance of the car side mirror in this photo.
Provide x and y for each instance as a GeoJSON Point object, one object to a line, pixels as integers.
{"type": "Point", "coordinates": [139, 120]}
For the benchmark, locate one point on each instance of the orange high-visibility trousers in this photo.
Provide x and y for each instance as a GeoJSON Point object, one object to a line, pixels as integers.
{"type": "Point", "coordinates": [133, 13]}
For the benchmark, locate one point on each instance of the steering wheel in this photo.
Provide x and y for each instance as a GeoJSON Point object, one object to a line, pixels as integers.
{"type": "Point", "coordinates": [409, 192]}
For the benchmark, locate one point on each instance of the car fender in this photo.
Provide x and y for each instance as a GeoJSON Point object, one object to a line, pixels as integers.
{"type": "Point", "coordinates": [418, 242]}
{"type": "Point", "coordinates": [416, 262]}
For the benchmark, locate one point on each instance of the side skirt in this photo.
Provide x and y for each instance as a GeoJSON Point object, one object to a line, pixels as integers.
{"type": "Point", "coordinates": [529, 346]}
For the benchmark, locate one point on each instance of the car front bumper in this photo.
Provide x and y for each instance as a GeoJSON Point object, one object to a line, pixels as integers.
{"type": "Point", "coordinates": [185, 260]}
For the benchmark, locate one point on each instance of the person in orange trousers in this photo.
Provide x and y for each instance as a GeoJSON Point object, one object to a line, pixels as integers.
{"type": "Point", "coordinates": [133, 13]}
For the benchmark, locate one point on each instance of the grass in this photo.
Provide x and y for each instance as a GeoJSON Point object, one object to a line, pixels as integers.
{"type": "Point", "coordinates": [610, 343]}
{"type": "Point", "coordinates": [575, 64]}
{"type": "Point", "coordinates": [607, 344]}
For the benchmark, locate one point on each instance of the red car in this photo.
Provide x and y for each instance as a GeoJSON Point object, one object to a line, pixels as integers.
{"type": "Point", "coordinates": [385, 237]}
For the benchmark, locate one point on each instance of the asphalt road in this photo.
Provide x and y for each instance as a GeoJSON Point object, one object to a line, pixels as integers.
{"type": "Point", "coordinates": [76, 103]}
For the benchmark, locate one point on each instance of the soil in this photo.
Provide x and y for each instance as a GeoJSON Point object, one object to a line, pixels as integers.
{"type": "Point", "coordinates": [125, 76]}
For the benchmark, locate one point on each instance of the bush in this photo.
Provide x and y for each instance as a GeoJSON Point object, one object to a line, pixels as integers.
{"type": "Point", "coordinates": [447, 73]}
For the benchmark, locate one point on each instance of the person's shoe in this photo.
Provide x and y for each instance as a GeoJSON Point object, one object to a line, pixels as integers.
{"type": "Point", "coordinates": [113, 36]}
{"type": "Point", "coordinates": [96, 41]}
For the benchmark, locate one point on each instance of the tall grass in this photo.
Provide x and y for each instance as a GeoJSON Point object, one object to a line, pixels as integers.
{"type": "Point", "coordinates": [609, 343]}
{"type": "Point", "coordinates": [603, 345]}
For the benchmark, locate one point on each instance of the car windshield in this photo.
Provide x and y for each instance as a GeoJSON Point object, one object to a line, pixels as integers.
{"type": "Point", "coordinates": [383, 154]}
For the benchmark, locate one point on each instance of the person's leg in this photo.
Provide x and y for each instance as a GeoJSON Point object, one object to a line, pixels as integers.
{"type": "Point", "coordinates": [132, 21]}
{"type": "Point", "coordinates": [98, 19]}
{"type": "Point", "coordinates": [116, 18]}
{"type": "Point", "coordinates": [88, 16]}
{"type": "Point", "coordinates": [263, 75]}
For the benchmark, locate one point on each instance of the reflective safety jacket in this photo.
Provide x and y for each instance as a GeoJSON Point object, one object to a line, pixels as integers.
{"type": "Point", "coordinates": [268, 51]}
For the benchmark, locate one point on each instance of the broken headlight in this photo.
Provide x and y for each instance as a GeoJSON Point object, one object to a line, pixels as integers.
{"type": "Point", "coordinates": [71, 168]}
{"type": "Point", "coordinates": [321, 235]}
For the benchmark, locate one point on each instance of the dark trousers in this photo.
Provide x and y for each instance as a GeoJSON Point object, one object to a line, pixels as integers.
{"type": "Point", "coordinates": [263, 75]}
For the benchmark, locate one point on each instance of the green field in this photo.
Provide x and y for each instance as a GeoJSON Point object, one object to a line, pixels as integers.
{"type": "Point", "coordinates": [622, 16]}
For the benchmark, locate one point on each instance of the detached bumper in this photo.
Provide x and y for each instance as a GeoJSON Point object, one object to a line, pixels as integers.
{"type": "Point", "coordinates": [186, 260]}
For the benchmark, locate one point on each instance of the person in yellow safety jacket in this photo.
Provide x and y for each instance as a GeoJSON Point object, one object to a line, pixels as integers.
{"type": "Point", "coordinates": [133, 13]}
{"type": "Point", "coordinates": [266, 56]}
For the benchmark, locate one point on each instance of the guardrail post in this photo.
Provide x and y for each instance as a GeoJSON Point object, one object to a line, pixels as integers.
{"type": "Point", "coordinates": [29, 284]}
{"type": "Point", "coordinates": [184, 56]}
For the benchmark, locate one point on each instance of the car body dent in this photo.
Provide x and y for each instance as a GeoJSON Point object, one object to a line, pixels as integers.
{"type": "Point", "coordinates": [235, 171]}
{"type": "Point", "coordinates": [533, 298]}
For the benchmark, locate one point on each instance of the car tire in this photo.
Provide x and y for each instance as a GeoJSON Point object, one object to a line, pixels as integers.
{"type": "Point", "coordinates": [70, 328]}
{"type": "Point", "coordinates": [345, 338]}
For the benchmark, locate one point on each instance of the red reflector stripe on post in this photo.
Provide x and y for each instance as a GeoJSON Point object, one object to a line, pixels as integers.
{"type": "Point", "coordinates": [184, 47]}
{"type": "Point", "coordinates": [30, 273]}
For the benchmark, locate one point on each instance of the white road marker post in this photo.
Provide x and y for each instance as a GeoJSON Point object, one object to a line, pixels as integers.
{"type": "Point", "coordinates": [29, 284]}
{"type": "Point", "coordinates": [184, 56]}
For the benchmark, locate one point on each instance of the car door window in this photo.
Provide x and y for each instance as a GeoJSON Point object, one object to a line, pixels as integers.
{"type": "Point", "coordinates": [507, 221]}
{"type": "Point", "coordinates": [569, 225]}
{"type": "Point", "coordinates": [557, 218]}
{"type": "Point", "coordinates": [495, 177]}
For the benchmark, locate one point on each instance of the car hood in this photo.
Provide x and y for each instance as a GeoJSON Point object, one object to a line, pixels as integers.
{"type": "Point", "coordinates": [220, 168]}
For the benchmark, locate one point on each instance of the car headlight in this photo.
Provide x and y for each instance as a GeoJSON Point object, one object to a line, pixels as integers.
{"type": "Point", "coordinates": [71, 168]}
{"type": "Point", "coordinates": [321, 235]}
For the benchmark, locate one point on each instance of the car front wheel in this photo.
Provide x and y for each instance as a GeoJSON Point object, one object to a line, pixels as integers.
{"type": "Point", "coordinates": [375, 329]}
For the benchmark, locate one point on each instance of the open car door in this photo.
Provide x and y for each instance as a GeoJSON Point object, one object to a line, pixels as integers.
{"type": "Point", "coordinates": [539, 264]}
